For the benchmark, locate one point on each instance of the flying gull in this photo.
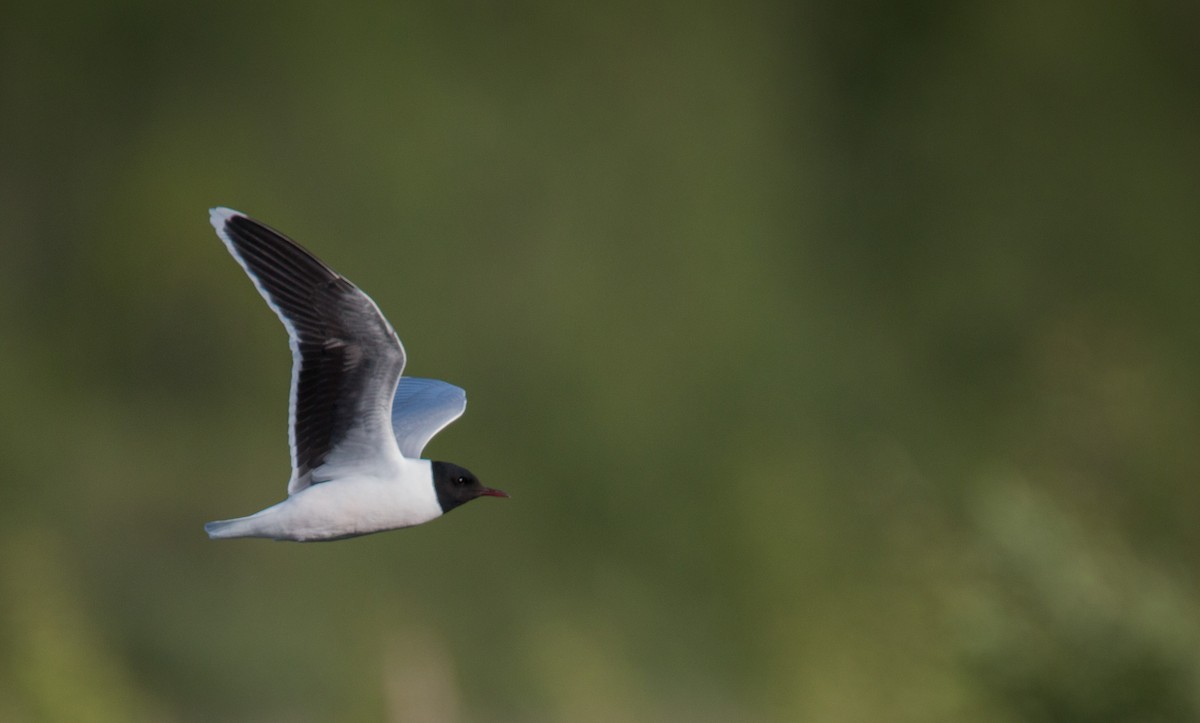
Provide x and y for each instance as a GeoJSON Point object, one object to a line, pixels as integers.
{"type": "Point", "coordinates": [355, 425]}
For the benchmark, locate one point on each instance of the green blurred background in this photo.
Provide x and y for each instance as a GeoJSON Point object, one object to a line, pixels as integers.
{"type": "Point", "coordinates": [841, 359]}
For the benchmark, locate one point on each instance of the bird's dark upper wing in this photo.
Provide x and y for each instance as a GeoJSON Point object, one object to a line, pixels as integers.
{"type": "Point", "coordinates": [346, 359]}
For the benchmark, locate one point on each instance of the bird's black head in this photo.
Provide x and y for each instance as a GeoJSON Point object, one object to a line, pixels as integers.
{"type": "Point", "coordinates": [455, 485]}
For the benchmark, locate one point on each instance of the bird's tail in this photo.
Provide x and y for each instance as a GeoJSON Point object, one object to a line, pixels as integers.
{"type": "Point", "coordinates": [222, 529]}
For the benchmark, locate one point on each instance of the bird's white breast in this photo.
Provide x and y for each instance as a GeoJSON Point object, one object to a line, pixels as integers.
{"type": "Point", "coordinates": [355, 505]}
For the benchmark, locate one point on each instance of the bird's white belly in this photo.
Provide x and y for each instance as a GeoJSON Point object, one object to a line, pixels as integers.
{"type": "Point", "coordinates": [348, 507]}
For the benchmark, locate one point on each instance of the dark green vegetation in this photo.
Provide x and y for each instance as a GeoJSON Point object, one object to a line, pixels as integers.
{"type": "Point", "coordinates": [842, 359]}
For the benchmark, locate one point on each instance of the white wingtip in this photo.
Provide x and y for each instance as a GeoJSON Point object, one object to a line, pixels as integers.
{"type": "Point", "coordinates": [219, 215]}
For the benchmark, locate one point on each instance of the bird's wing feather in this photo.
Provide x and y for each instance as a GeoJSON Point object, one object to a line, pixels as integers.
{"type": "Point", "coordinates": [346, 358]}
{"type": "Point", "coordinates": [421, 409]}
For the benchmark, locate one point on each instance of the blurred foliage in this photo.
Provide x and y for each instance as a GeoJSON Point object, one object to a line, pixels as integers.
{"type": "Point", "coordinates": [840, 358]}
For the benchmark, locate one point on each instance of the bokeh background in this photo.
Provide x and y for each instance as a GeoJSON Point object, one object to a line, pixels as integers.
{"type": "Point", "coordinates": [840, 357]}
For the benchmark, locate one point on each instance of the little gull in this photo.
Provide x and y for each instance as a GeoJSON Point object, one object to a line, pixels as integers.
{"type": "Point", "coordinates": [355, 426]}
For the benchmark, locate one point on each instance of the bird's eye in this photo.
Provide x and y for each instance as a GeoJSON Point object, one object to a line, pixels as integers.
{"type": "Point", "coordinates": [461, 480]}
